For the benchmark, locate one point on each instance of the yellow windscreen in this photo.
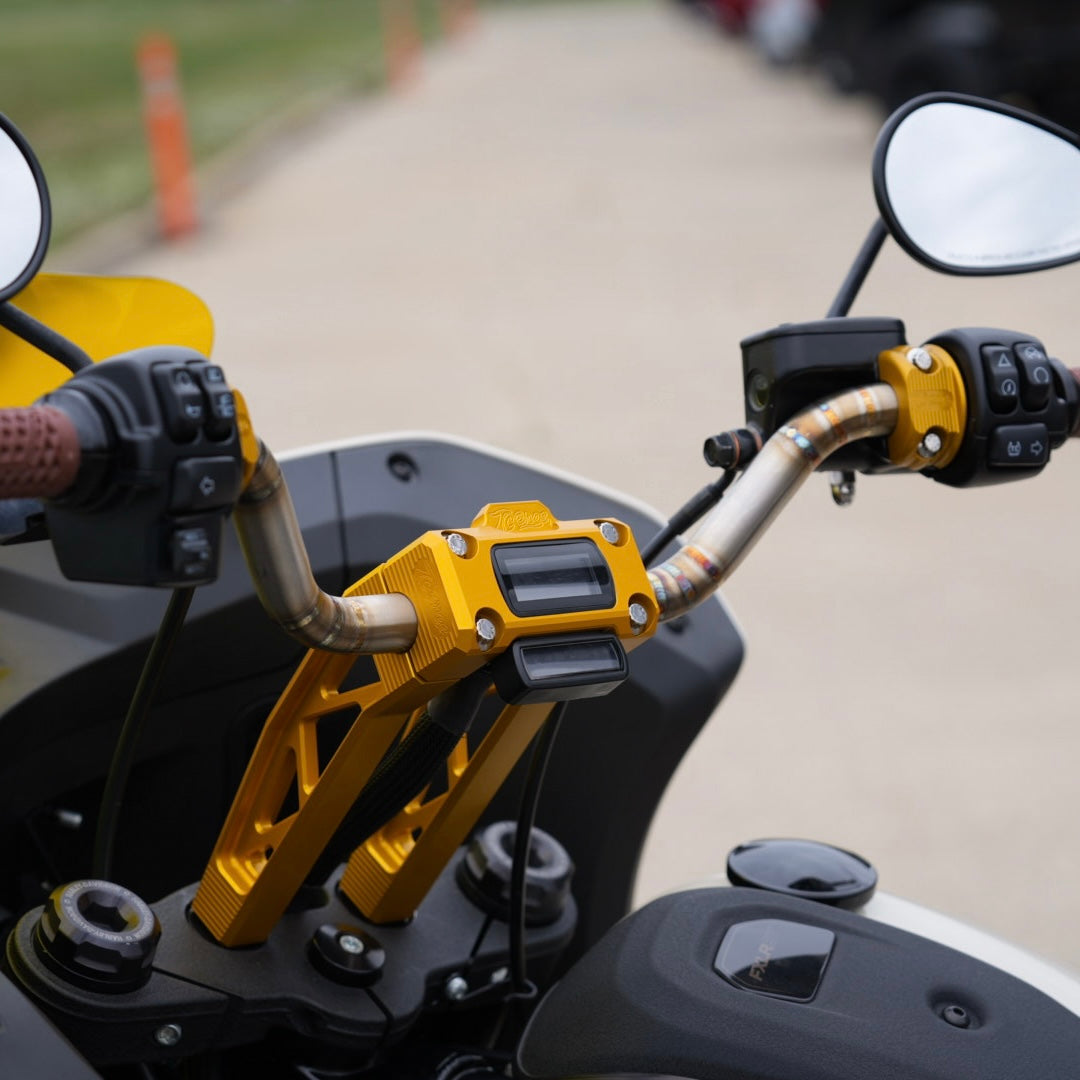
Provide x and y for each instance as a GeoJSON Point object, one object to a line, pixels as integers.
{"type": "Point", "coordinates": [103, 316]}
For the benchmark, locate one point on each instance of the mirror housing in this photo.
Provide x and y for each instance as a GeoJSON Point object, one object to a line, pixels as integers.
{"type": "Point", "coordinates": [25, 217]}
{"type": "Point", "coordinates": [975, 187]}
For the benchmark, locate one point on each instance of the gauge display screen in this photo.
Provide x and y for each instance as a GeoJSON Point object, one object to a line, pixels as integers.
{"type": "Point", "coordinates": [552, 577]}
{"type": "Point", "coordinates": [561, 660]}
{"type": "Point", "coordinates": [560, 667]}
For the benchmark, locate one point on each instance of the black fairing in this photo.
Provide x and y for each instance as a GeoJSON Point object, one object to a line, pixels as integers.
{"type": "Point", "coordinates": [647, 1000]}
{"type": "Point", "coordinates": [73, 652]}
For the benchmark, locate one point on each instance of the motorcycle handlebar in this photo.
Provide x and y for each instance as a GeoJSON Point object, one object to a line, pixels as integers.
{"type": "Point", "coordinates": [39, 452]}
{"type": "Point", "coordinates": [733, 526]}
{"type": "Point", "coordinates": [40, 457]}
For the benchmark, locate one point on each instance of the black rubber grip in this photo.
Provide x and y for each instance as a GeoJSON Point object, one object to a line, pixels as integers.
{"type": "Point", "coordinates": [39, 452]}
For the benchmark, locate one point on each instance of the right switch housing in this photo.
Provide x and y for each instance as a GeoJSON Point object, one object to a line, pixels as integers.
{"type": "Point", "coordinates": [1021, 404]}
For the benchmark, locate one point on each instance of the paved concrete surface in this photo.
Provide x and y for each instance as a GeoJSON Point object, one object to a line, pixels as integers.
{"type": "Point", "coordinates": [554, 243]}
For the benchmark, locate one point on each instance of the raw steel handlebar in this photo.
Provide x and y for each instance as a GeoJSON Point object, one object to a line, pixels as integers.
{"type": "Point", "coordinates": [277, 561]}
{"type": "Point", "coordinates": [39, 457]}
{"type": "Point", "coordinates": [734, 525]}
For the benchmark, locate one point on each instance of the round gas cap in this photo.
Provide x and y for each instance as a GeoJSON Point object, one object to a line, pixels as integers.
{"type": "Point", "coordinates": [803, 868]}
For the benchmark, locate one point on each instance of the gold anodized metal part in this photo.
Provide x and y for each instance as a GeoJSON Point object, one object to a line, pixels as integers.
{"type": "Point", "coordinates": [389, 874]}
{"type": "Point", "coordinates": [933, 403]}
{"type": "Point", "coordinates": [249, 441]}
{"type": "Point", "coordinates": [289, 803]}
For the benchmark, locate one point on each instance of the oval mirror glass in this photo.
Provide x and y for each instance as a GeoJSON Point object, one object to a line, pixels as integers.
{"type": "Point", "coordinates": [974, 187]}
{"type": "Point", "coordinates": [24, 211]}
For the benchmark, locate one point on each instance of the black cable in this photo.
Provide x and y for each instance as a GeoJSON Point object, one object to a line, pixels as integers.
{"type": "Point", "coordinates": [41, 337]}
{"type": "Point", "coordinates": [124, 755]}
{"type": "Point", "coordinates": [530, 797]}
{"type": "Point", "coordinates": [406, 770]}
{"type": "Point", "coordinates": [686, 515]}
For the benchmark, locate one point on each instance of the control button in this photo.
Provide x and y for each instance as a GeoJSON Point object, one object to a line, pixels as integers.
{"type": "Point", "coordinates": [222, 415]}
{"type": "Point", "coordinates": [775, 956]}
{"type": "Point", "coordinates": [1036, 378]}
{"type": "Point", "coordinates": [803, 868]}
{"type": "Point", "coordinates": [181, 401]}
{"type": "Point", "coordinates": [1019, 444]}
{"type": "Point", "coordinates": [205, 483]}
{"type": "Point", "coordinates": [1002, 378]}
{"type": "Point", "coordinates": [192, 554]}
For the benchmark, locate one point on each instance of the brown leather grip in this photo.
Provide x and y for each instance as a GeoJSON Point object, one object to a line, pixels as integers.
{"type": "Point", "coordinates": [39, 452]}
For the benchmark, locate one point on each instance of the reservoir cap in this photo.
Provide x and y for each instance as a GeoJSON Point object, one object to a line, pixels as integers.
{"type": "Point", "coordinates": [804, 868]}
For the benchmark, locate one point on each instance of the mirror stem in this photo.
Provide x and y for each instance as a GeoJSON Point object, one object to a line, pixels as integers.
{"type": "Point", "coordinates": [41, 337]}
{"type": "Point", "coordinates": [859, 269]}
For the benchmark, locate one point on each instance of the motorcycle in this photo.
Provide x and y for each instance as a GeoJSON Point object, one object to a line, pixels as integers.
{"type": "Point", "coordinates": [345, 923]}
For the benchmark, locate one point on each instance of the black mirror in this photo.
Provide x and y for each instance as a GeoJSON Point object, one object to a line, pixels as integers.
{"type": "Point", "coordinates": [24, 211]}
{"type": "Point", "coordinates": [968, 186]}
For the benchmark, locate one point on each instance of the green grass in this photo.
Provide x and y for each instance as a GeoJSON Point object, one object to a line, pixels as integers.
{"type": "Point", "coordinates": [68, 80]}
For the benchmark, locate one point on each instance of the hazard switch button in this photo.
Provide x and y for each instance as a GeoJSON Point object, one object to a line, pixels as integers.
{"type": "Point", "coordinates": [1019, 445]}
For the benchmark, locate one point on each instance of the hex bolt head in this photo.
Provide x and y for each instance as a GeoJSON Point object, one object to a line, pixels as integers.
{"type": "Point", "coordinates": [347, 954]}
{"type": "Point", "coordinates": [920, 358]}
{"type": "Point", "coordinates": [69, 819]}
{"type": "Point", "coordinates": [842, 487]}
{"type": "Point", "coordinates": [457, 544]}
{"type": "Point", "coordinates": [168, 1034]}
{"type": "Point", "coordinates": [639, 617]}
{"type": "Point", "coordinates": [609, 532]}
{"type": "Point", "coordinates": [351, 944]}
{"type": "Point", "coordinates": [931, 444]}
{"type": "Point", "coordinates": [485, 633]}
{"type": "Point", "coordinates": [455, 988]}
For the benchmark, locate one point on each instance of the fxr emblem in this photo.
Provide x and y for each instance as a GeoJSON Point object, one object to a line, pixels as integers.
{"type": "Point", "coordinates": [761, 962]}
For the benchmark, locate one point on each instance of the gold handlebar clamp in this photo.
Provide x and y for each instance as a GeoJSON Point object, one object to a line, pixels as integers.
{"type": "Point", "coordinates": [290, 803]}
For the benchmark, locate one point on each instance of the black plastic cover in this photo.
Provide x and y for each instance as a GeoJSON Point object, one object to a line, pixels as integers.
{"type": "Point", "coordinates": [30, 1047]}
{"type": "Point", "coordinates": [793, 366]}
{"type": "Point", "coordinates": [804, 868]}
{"type": "Point", "coordinates": [646, 1000]}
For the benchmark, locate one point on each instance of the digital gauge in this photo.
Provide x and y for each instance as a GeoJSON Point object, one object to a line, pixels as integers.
{"type": "Point", "coordinates": [553, 577]}
{"type": "Point", "coordinates": [560, 667]}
